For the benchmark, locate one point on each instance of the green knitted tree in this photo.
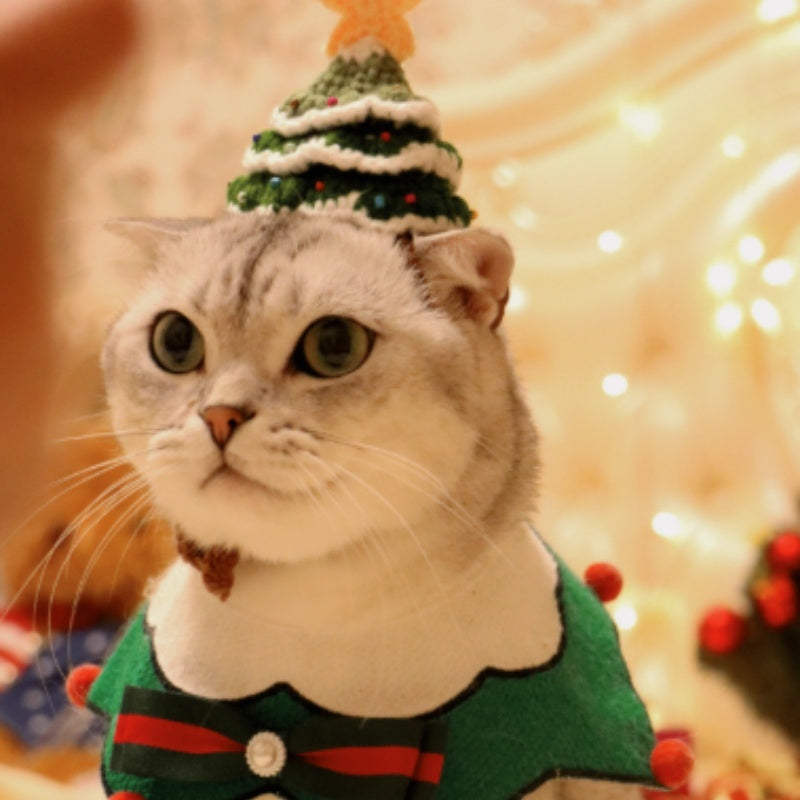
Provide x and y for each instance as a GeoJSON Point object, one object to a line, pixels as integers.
{"type": "Point", "coordinates": [359, 143]}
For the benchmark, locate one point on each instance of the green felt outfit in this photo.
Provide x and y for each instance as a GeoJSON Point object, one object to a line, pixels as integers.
{"type": "Point", "coordinates": [576, 715]}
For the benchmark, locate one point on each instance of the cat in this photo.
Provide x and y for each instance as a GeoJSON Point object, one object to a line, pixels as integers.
{"type": "Point", "coordinates": [329, 417]}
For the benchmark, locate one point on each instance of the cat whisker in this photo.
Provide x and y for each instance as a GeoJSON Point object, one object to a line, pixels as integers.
{"type": "Point", "coordinates": [108, 435]}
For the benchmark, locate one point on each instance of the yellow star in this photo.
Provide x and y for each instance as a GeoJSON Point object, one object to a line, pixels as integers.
{"type": "Point", "coordinates": [382, 19]}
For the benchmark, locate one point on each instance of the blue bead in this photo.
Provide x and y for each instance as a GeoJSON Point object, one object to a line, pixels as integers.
{"type": "Point", "coordinates": [256, 137]}
{"type": "Point", "coordinates": [379, 201]}
{"type": "Point", "coordinates": [274, 181]}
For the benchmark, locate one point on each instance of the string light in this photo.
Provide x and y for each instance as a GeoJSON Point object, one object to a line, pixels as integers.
{"type": "Point", "coordinates": [733, 146]}
{"type": "Point", "coordinates": [751, 249]}
{"type": "Point", "coordinates": [721, 277]}
{"type": "Point", "coordinates": [778, 272]}
{"type": "Point", "coordinates": [626, 617]}
{"type": "Point", "coordinates": [517, 300]}
{"type": "Point", "coordinates": [775, 10]}
{"type": "Point", "coordinates": [668, 526]}
{"type": "Point", "coordinates": [728, 318]}
{"type": "Point", "coordinates": [524, 217]}
{"type": "Point", "coordinates": [766, 315]}
{"type": "Point", "coordinates": [610, 242]}
{"type": "Point", "coordinates": [643, 120]}
{"type": "Point", "coordinates": [615, 384]}
{"type": "Point", "coordinates": [505, 174]}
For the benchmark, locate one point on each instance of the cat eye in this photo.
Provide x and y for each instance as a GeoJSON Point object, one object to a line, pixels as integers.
{"type": "Point", "coordinates": [332, 347]}
{"type": "Point", "coordinates": [175, 343]}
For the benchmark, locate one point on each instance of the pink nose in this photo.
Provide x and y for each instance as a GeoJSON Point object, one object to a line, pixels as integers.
{"type": "Point", "coordinates": [222, 421]}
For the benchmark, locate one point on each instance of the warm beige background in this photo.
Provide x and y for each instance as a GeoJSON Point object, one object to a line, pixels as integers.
{"type": "Point", "coordinates": [574, 117]}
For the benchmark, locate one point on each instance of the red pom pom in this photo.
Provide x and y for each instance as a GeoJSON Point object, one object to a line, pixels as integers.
{"type": "Point", "coordinates": [605, 580]}
{"type": "Point", "coordinates": [79, 682]}
{"type": "Point", "coordinates": [776, 600]}
{"type": "Point", "coordinates": [722, 630]}
{"type": "Point", "coordinates": [783, 552]}
{"type": "Point", "coordinates": [672, 761]}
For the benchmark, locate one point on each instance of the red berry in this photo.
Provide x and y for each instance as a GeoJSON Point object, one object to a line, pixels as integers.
{"type": "Point", "coordinates": [79, 682]}
{"type": "Point", "coordinates": [672, 761]}
{"type": "Point", "coordinates": [722, 630]}
{"type": "Point", "coordinates": [605, 580]}
{"type": "Point", "coordinates": [783, 552]}
{"type": "Point", "coordinates": [776, 600]}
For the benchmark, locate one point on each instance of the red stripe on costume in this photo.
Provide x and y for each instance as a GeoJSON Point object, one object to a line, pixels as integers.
{"type": "Point", "coordinates": [429, 768]}
{"type": "Point", "coordinates": [17, 661]}
{"type": "Point", "coordinates": [370, 761]}
{"type": "Point", "coordinates": [180, 737]}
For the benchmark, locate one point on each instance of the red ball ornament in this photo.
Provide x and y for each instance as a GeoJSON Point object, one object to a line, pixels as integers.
{"type": "Point", "coordinates": [319, 186]}
{"type": "Point", "coordinates": [605, 580]}
{"type": "Point", "coordinates": [722, 631]}
{"type": "Point", "coordinates": [79, 682]}
{"type": "Point", "coordinates": [783, 552]}
{"type": "Point", "coordinates": [411, 198]}
{"type": "Point", "coordinates": [776, 600]}
{"type": "Point", "coordinates": [127, 796]}
{"type": "Point", "coordinates": [333, 101]}
{"type": "Point", "coordinates": [386, 136]}
{"type": "Point", "coordinates": [672, 761]}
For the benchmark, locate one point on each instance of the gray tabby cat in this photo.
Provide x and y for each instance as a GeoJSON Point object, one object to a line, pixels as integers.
{"type": "Point", "coordinates": [330, 418]}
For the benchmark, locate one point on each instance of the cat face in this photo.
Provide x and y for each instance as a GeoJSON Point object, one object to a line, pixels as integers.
{"type": "Point", "coordinates": [290, 386]}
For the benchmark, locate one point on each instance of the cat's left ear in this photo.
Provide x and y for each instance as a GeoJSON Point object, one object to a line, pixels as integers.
{"type": "Point", "coordinates": [467, 272]}
{"type": "Point", "coordinates": [149, 234]}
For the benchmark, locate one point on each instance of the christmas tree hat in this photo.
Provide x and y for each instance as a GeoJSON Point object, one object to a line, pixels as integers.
{"type": "Point", "coordinates": [358, 143]}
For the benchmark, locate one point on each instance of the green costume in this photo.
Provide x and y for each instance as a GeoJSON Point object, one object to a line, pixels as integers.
{"type": "Point", "coordinates": [576, 715]}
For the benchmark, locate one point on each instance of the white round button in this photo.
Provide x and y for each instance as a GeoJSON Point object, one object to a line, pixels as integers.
{"type": "Point", "coordinates": [266, 754]}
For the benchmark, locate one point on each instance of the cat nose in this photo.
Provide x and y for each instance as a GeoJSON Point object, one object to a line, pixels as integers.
{"type": "Point", "coordinates": [223, 421]}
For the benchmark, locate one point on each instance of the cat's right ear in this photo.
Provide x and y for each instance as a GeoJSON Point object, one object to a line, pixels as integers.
{"type": "Point", "coordinates": [149, 235]}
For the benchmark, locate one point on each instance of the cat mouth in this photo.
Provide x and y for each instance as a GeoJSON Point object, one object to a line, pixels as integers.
{"type": "Point", "coordinates": [225, 472]}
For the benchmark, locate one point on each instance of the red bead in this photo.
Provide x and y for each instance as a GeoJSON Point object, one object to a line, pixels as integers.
{"type": "Point", "coordinates": [332, 101]}
{"type": "Point", "coordinates": [79, 682]}
{"type": "Point", "coordinates": [672, 761]}
{"type": "Point", "coordinates": [605, 580]}
{"type": "Point", "coordinates": [776, 600]}
{"type": "Point", "coordinates": [127, 796]}
{"type": "Point", "coordinates": [783, 552]}
{"type": "Point", "coordinates": [386, 136]}
{"type": "Point", "coordinates": [319, 185]}
{"type": "Point", "coordinates": [722, 630]}
{"type": "Point", "coordinates": [411, 198]}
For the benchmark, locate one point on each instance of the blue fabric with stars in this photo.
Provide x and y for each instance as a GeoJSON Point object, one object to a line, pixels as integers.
{"type": "Point", "coordinates": [35, 706]}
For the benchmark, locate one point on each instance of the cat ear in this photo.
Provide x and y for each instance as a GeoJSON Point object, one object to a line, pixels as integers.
{"type": "Point", "coordinates": [467, 272]}
{"type": "Point", "coordinates": [150, 234]}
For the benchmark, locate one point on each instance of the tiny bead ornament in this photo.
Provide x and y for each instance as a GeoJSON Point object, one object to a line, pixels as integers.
{"type": "Point", "coordinates": [79, 682]}
{"type": "Point", "coordinates": [672, 761]}
{"type": "Point", "coordinates": [605, 580]}
{"type": "Point", "coordinates": [722, 631]}
{"type": "Point", "coordinates": [776, 600]}
{"type": "Point", "coordinates": [783, 552]}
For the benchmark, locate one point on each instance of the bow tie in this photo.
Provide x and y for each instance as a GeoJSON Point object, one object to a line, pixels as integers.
{"type": "Point", "coordinates": [177, 737]}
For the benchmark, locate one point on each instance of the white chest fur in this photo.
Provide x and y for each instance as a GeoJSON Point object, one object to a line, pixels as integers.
{"type": "Point", "coordinates": [351, 644]}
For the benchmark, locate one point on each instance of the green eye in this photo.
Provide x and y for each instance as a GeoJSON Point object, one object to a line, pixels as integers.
{"type": "Point", "coordinates": [175, 344]}
{"type": "Point", "coordinates": [333, 346]}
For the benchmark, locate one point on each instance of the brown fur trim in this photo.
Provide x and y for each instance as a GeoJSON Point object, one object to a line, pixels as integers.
{"type": "Point", "coordinates": [215, 564]}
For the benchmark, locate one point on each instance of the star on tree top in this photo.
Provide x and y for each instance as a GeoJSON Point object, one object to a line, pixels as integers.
{"type": "Point", "coordinates": [381, 19]}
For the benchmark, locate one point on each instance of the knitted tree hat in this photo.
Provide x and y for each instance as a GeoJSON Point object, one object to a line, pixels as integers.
{"type": "Point", "coordinates": [358, 143]}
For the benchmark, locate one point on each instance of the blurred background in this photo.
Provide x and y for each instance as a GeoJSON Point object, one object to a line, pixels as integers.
{"type": "Point", "coordinates": [643, 156]}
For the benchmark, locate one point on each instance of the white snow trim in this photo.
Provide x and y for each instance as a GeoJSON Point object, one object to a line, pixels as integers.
{"type": "Point", "coordinates": [420, 112]}
{"type": "Point", "coordinates": [343, 208]}
{"type": "Point", "coordinates": [416, 155]}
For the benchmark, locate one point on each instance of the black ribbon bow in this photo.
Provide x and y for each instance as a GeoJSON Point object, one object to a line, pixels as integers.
{"type": "Point", "coordinates": [184, 738]}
